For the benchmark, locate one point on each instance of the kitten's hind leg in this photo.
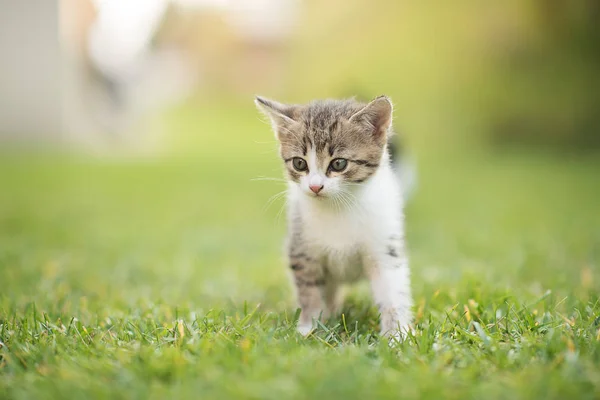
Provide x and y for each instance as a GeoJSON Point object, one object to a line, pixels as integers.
{"type": "Point", "coordinates": [331, 297]}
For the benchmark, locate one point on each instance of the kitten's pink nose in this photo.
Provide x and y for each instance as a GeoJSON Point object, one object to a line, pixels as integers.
{"type": "Point", "coordinates": [316, 188]}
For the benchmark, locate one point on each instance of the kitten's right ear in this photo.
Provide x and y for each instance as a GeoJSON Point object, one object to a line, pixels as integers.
{"type": "Point", "coordinates": [282, 116]}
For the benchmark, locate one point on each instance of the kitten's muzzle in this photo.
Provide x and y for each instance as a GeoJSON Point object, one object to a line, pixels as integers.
{"type": "Point", "coordinates": [316, 188]}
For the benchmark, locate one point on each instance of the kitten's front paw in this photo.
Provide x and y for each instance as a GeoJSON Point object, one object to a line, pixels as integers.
{"type": "Point", "coordinates": [397, 335]}
{"type": "Point", "coordinates": [395, 327]}
{"type": "Point", "coordinates": [305, 329]}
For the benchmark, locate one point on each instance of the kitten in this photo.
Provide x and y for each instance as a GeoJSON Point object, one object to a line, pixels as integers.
{"type": "Point", "coordinates": [344, 207]}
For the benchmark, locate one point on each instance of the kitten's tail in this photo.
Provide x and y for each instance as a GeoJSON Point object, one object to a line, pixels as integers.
{"type": "Point", "coordinates": [405, 168]}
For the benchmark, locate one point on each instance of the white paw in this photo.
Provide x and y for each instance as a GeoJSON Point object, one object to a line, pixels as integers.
{"type": "Point", "coordinates": [304, 330]}
{"type": "Point", "coordinates": [397, 335]}
{"type": "Point", "coordinates": [395, 326]}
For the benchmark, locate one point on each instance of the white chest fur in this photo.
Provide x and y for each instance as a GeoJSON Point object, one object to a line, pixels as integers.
{"type": "Point", "coordinates": [343, 231]}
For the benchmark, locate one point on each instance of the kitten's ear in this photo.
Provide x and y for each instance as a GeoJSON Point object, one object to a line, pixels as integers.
{"type": "Point", "coordinates": [282, 116]}
{"type": "Point", "coordinates": [376, 117]}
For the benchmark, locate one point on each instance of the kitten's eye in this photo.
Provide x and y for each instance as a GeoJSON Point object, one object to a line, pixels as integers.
{"type": "Point", "coordinates": [339, 164]}
{"type": "Point", "coordinates": [299, 164]}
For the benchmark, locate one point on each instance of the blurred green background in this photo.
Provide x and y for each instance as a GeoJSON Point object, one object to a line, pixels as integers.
{"type": "Point", "coordinates": [144, 207]}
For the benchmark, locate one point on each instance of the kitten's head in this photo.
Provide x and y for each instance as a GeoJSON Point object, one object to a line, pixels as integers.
{"type": "Point", "coordinates": [330, 146]}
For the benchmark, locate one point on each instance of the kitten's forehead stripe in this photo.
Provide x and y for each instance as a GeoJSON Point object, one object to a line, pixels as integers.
{"type": "Point", "coordinates": [333, 126]}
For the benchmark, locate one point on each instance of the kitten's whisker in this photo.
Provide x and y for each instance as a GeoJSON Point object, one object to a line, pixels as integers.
{"type": "Point", "coordinates": [268, 178]}
{"type": "Point", "coordinates": [264, 119]}
{"type": "Point", "coordinates": [353, 184]}
{"type": "Point", "coordinates": [357, 204]}
{"type": "Point", "coordinates": [280, 212]}
{"type": "Point", "coordinates": [345, 201]}
{"type": "Point", "coordinates": [341, 198]}
{"type": "Point", "coordinates": [273, 146]}
{"type": "Point", "coordinates": [341, 205]}
{"type": "Point", "coordinates": [269, 142]}
{"type": "Point", "coordinates": [294, 134]}
{"type": "Point", "coordinates": [351, 201]}
{"type": "Point", "coordinates": [335, 203]}
{"type": "Point", "coordinates": [269, 206]}
{"type": "Point", "coordinates": [274, 198]}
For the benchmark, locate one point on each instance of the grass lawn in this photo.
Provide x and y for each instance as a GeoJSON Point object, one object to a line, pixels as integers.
{"type": "Point", "coordinates": [164, 278]}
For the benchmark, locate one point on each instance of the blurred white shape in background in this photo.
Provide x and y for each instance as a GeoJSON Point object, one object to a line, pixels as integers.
{"type": "Point", "coordinates": [135, 77]}
{"type": "Point", "coordinates": [263, 20]}
{"type": "Point", "coordinates": [255, 20]}
{"type": "Point", "coordinates": [121, 34]}
{"type": "Point", "coordinates": [123, 30]}
{"type": "Point", "coordinates": [84, 71]}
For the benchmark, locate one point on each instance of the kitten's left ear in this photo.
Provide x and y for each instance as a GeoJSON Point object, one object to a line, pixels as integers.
{"type": "Point", "coordinates": [376, 117]}
{"type": "Point", "coordinates": [282, 115]}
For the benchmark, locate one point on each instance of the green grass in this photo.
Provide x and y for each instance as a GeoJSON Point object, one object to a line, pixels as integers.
{"type": "Point", "coordinates": [156, 278]}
